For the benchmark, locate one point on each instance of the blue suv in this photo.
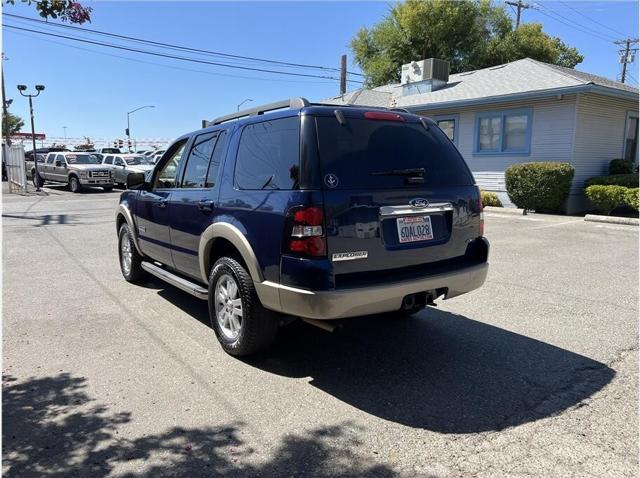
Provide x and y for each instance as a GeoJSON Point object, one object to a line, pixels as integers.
{"type": "Point", "coordinates": [308, 210]}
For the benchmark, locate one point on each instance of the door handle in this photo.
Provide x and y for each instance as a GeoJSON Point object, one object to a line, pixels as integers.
{"type": "Point", "coordinates": [206, 205]}
{"type": "Point", "coordinates": [162, 203]}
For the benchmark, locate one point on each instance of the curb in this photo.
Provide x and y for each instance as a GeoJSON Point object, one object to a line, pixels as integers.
{"type": "Point", "coordinates": [628, 221]}
{"type": "Point", "coordinates": [505, 210]}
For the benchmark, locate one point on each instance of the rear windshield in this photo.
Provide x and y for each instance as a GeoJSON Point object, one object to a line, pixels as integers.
{"type": "Point", "coordinates": [352, 152]}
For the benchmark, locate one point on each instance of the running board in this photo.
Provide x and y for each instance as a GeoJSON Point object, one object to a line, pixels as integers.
{"type": "Point", "coordinates": [176, 281]}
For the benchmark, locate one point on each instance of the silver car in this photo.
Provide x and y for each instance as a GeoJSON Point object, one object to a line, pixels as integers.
{"type": "Point", "coordinates": [122, 165]}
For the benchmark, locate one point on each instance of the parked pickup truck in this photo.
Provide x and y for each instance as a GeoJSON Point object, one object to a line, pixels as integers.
{"type": "Point", "coordinates": [314, 211]}
{"type": "Point", "coordinates": [75, 169]}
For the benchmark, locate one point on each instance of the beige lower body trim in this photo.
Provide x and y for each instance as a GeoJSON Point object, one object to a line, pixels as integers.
{"type": "Point", "coordinates": [337, 304]}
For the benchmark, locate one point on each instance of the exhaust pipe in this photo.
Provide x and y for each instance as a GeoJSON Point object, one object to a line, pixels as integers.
{"type": "Point", "coordinates": [322, 324]}
{"type": "Point", "coordinates": [409, 302]}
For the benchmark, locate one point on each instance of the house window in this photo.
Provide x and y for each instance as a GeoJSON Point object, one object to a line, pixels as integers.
{"type": "Point", "coordinates": [448, 124]}
{"type": "Point", "coordinates": [503, 132]}
{"type": "Point", "coordinates": [631, 138]}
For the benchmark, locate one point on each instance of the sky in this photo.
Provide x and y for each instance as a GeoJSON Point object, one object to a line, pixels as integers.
{"type": "Point", "coordinates": [90, 89]}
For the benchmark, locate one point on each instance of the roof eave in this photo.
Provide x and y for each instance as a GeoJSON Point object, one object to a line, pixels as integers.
{"type": "Point", "coordinates": [565, 90]}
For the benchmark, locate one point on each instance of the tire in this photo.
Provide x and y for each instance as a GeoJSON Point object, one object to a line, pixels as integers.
{"type": "Point", "coordinates": [37, 180]}
{"type": "Point", "coordinates": [107, 189]}
{"type": "Point", "coordinates": [255, 328]}
{"type": "Point", "coordinates": [131, 270]}
{"type": "Point", "coordinates": [74, 185]}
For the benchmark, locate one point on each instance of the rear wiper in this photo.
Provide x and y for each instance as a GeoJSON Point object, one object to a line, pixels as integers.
{"type": "Point", "coordinates": [400, 172]}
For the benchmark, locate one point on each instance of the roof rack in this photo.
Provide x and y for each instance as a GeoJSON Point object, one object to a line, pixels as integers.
{"type": "Point", "coordinates": [258, 110]}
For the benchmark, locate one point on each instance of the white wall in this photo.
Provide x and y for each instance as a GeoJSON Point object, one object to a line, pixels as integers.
{"type": "Point", "coordinates": [586, 130]}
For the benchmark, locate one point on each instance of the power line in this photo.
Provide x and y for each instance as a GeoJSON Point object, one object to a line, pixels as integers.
{"type": "Point", "coordinates": [173, 67]}
{"type": "Point", "coordinates": [179, 47]}
{"type": "Point", "coordinates": [174, 57]}
{"type": "Point", "coordinates": [589, 18]}
{"type": "Point", "coordinates": [572, 24]}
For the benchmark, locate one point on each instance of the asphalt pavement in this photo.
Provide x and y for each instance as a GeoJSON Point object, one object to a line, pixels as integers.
{"type": "Point", "coordinates": [535, 374]}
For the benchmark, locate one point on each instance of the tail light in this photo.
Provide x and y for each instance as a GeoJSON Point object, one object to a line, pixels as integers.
{"type": "Point", "coordinates": [383, 116]}
{"type": "Point", "coordinates": [481, 208]}
{"type": "Point", "coordinates": [307, 232]}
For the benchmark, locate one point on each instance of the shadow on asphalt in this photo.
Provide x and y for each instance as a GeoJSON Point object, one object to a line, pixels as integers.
{"type": "Point", "coordinates": [435, 370]}
{"type": "Point", "coordinates": [52, 427]}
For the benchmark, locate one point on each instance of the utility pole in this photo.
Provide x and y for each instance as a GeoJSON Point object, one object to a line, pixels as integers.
{"type": "Point", "coordinates": [343, 74]}
{"type": "Point", "coordinates": [39, 89]}
{"type": "Point", "coordinates": [520, 5]}
{"type": "Point", "coordinates": [627, 55]}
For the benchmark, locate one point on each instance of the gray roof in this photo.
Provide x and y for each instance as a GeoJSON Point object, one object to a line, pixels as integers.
{"type": "Point", "coordinates": [524, 76]}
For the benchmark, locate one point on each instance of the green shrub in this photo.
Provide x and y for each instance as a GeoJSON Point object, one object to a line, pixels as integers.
{"type": "Point", "coordinates": [620, 166]}
{"type": "Point", "coordinates": [490, 199]}
{"type": "Point", "coordinates": [607, 198]}
{"type": "Point", "coordinates": [632, 198]}
{"type": "Point", "coordinates": [626, 180]}
{"type": "Point", "coordinates": [541, 187]}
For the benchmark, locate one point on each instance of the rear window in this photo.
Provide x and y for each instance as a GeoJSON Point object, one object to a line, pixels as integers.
{"type": "Point", "coordinates": [269, 155]}
{"type": "Point", "coordinates": [352, 152]}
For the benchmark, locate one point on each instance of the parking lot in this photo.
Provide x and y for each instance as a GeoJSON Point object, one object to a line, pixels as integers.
{"type": "Point", "coordinates": [533, 374]}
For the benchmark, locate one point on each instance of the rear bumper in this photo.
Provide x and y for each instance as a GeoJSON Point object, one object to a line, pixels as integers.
{"type": "Point", "coordinates": [337, 304]}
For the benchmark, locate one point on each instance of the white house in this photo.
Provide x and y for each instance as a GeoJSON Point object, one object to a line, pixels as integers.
{"type": "Point", "coordinates": [519, 112]}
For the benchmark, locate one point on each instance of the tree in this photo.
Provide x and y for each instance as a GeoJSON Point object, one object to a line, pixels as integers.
{"type": "Point", "coordinates": [65, 10]}
{"type": "Point", "coordinates": [470, 34]}
{"type": "Point", "coordinates": [12, 123]}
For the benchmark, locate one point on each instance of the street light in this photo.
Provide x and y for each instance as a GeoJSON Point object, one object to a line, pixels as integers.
{"type": "Point", "coordinates": [39, 89]}
{"type": "Point", "coordinates": [243, 102]}
{"type": "Point", "coordinates": [128, 131]}
{"type": "Point", "coordinates": [65, 133]}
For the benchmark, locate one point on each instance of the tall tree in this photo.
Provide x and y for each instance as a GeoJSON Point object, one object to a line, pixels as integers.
{"type": "Point", "coordinates": [11, 123]}
{"type": "Point", "coordinates": [470, 34]}
{"type": "Point", "coordinates": [65, 10]}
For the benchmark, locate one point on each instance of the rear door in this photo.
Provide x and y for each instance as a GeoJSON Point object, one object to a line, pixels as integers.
{"type": "Point", "coordinates": [397, 193]}
{"type": "Point", "coordinates": [193, 204]}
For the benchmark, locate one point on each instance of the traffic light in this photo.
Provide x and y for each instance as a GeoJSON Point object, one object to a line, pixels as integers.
{"type": "Point", "coordinates": [115, 143]}
{"type": "Point", "coordinates": [126, 131]}
{"type": "Point", "coordinates": [129, 143]}
{"type": "Point", "coordinates": [120, 143]}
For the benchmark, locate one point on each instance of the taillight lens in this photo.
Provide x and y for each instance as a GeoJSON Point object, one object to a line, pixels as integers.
{"type": "Point", "coordinates": [307, 232]}
{"type": "Point", "coordinates": [383, 116]}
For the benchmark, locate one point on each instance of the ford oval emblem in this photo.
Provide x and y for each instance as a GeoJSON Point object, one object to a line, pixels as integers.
{"type": "Point", "coordinates": [419, 203]}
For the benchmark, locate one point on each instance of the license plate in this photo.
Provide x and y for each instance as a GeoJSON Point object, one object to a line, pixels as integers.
{"type": "Point", "coordinates": [414, 229]}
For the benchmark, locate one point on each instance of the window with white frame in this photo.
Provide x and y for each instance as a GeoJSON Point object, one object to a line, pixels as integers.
{"type": "Point", "coordinates": [503, 132]}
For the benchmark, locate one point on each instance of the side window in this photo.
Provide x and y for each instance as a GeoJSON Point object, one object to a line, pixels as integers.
{"type": "Point", "coordinates": [269, 155]}
{"type": "Point", "coordinates": [216, 159]}
{"type": "Point", "coordinates": [50, 158]}
{"type": "Point", "coordinates": [60, 158]}
{"type": "Point", "coordinates": [118, 161]}
{"type": "Point", "coordinates": [167, 175]}
{"type": "Point", "coordinates": [195, 172]}
{"type": "Point", "coordinates": [108, 160]}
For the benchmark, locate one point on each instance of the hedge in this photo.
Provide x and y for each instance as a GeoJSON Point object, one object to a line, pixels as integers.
{"type": "Point", "coordinates": [626, 180]}
{"type": "Point", "coordinates": [632, 198]}
{"type": "Point", "coordinates": [620, 166]}
{"type": "Point", "coordinates": [490, 199]}
{"type": "Point", "coordinates": [607, 198]}
{"type": "Point", "coordinates": [541, 187]}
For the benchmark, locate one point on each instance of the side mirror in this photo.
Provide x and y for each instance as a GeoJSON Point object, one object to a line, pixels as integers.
{"type": "Point", "coordinates": [136, 181]}
{"type": "Point", "coordinates": [58, 163]}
